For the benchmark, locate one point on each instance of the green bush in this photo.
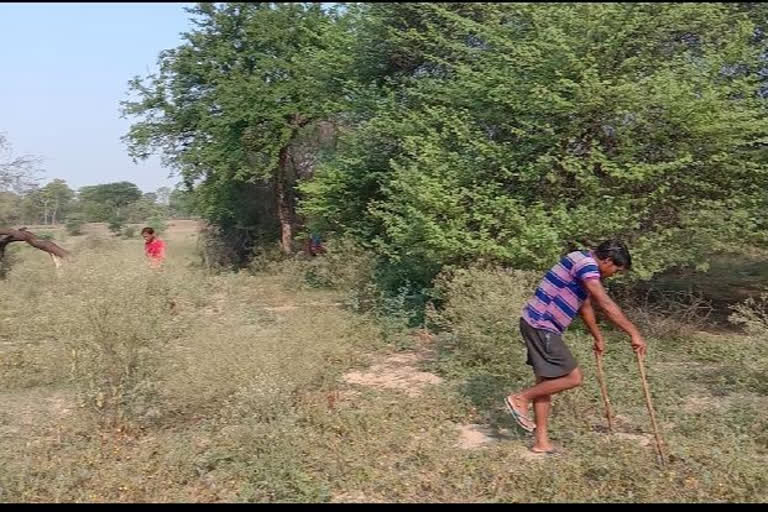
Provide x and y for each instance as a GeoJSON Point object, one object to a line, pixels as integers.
{"type": "Point", "coordinates": [158, 223]}
{"type": "Point", "coordinates": [96, 242]}
{"type": "Point", "coordinates": [216, 249]}
{"type": "Point", "coordinates": [440, 174]}
{"type": "Point", "coordinates": [115, 225]}
{"type": "Point", "coordinates": [344, 266]}
{"type": "Point", "coordinates": [74, 224]}
{"type": "Point", "coordinates": [478, 314]}
{"type": "Point", "coordinates": [129, 232]}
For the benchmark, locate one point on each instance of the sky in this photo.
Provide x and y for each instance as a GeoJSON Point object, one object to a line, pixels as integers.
{"type": "Point", "coordinates": [64, 68]}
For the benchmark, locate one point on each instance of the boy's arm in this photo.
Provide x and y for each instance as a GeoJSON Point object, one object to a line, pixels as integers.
{"type": "Point", "coordinates": [614, 313]}
{"type": "Point", "coordinates": [587, 313]}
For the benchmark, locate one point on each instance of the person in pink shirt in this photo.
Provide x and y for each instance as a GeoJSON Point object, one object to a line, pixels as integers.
{"type": "Point", "coordinates": [571, 287]}
{"type": "Point", "coordinates": [154, 248]}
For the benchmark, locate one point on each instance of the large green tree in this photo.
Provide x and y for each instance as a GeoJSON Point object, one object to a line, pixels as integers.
{"type": "Point", "coordinates": [518, 130]}
{"type": "Point", "coordinates": [227, 107]}
{"type": "Point", "coordinates": [101, 202]}
{"type": "Point", "coordinates": [145, 208]}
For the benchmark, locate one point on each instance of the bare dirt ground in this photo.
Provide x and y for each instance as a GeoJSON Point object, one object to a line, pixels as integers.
{"type": "Point", "coordinates": [402, 371]}
{"type": "Point", "coordinates": [397, 371]}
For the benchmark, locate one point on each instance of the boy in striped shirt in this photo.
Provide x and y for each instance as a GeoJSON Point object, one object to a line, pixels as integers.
{"type": "Point", "coordinates": [570, 287]}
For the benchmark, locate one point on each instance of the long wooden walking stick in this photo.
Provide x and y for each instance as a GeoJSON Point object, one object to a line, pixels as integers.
{"type": "Point", "coordinates": [604, 391]}
{"type": "Point", "coordinates": [650, 408]}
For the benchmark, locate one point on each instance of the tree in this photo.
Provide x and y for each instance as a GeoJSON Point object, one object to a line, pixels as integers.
{"type": "Point", "coordinates": [144, 208]}
{"type": "Point", "coordinates": [10, 208]}
{"type": "Point", "coordinates": [181, 203]}
{"type": "Point", "coordinates": [53, 199]}
{"type": "Point", "coordinates": [100, 202]}
{"type": "Point", "coordinates": [512, 132]}
{"type": "Point", "coordinates": [16, 172]}
{"type": "Point", "coordinates": [163, 194]}
{"type": "Point", "coordinates": [228, 106]}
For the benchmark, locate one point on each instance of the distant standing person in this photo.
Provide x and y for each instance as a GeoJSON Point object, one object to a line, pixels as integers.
{"type": "Point", "coordinates": [570, 287]}
{"type": "Point", "coordinates": [316, 245]}
{"type": "Point", "coordinates": [154, 248]}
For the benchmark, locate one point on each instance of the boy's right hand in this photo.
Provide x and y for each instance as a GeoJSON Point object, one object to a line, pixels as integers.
{"type": "Point", "coordinates": [638, 344]}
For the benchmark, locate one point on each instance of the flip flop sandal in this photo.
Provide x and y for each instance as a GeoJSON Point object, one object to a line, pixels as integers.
{"type": "Point", "coordinates": [548, 452]}
{"type": "Point", "coordinates": [519, 418]}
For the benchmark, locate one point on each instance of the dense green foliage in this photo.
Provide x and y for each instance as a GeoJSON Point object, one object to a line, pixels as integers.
{"type": "Point", "coordinates": [226, 106]}
{"type": "Point", "coordinates": [501, 132]}
{"type": "Point", "coordinates": [544, 126]}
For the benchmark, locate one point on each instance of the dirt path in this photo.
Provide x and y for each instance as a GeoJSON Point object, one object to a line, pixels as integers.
{"type": "Point", "coordinates": [403, 371]}
{"type": "Point", "coordinates": [27, 414]}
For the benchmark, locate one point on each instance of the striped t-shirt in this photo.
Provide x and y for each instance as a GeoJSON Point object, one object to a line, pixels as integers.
{"type": "Point", "coordinates": [560, 294]}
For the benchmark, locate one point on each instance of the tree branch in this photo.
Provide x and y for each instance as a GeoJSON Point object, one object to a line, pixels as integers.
{"type": "Point", "coordinates": [8, 236]}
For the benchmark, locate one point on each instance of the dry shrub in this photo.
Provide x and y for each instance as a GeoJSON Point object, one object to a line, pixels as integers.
{"type": "Point", "coordinates": [221, 249]}
{"type": "Point", "coordinates": [116, 325]}
{"type": "Point", "coordinates": [29, 354]}
{"type": "Point", "coordinates": [480, 313]}
{"type": "Point", "coordinates": [270, 259]}
{"type": "Point", "coordinates": [249, 362]}
{"type": "Point", "coordinates": [344, 266]}
{"type": "Point", "coordinates": [8, 260]}
{"type": "Point", "coordinates": [111, 316]}
{"type": "Point", "coordinates": [752, 315]}
{"type": "Point", "coordinates": [666, 314]}
{"type": "Point", "coordinates": [96, 242]}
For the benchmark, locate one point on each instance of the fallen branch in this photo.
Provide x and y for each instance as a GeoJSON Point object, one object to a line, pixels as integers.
{"type": "Point", "coordinates": [8, 236]}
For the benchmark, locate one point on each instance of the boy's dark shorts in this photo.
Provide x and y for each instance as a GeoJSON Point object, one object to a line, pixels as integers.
{"type": "Point", "coordinates": [547, 353]}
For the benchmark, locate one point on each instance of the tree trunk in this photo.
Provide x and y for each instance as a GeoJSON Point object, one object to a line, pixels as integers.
{"type": "Point", "coordinates": [284, 193]}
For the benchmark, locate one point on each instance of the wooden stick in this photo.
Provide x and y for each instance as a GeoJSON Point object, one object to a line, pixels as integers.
{"type": "Point", "coordinates": [604, 391]}
{"type": "Point", "coordinates": [650, 408]}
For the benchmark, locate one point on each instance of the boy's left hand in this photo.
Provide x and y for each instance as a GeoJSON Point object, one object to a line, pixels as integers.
{"type": "Point", "coordinates": [599, 346]}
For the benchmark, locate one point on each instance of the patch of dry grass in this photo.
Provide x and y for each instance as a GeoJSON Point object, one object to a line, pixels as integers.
{"type": "Point", "coordinates": [231, 395]}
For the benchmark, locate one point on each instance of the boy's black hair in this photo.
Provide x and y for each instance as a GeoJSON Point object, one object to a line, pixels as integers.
{"type": "Point", "coordinates": [616, 251]}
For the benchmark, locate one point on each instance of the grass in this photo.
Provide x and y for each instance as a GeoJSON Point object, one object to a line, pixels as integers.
{"type": "Point", "coordinates": [237, 394]}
